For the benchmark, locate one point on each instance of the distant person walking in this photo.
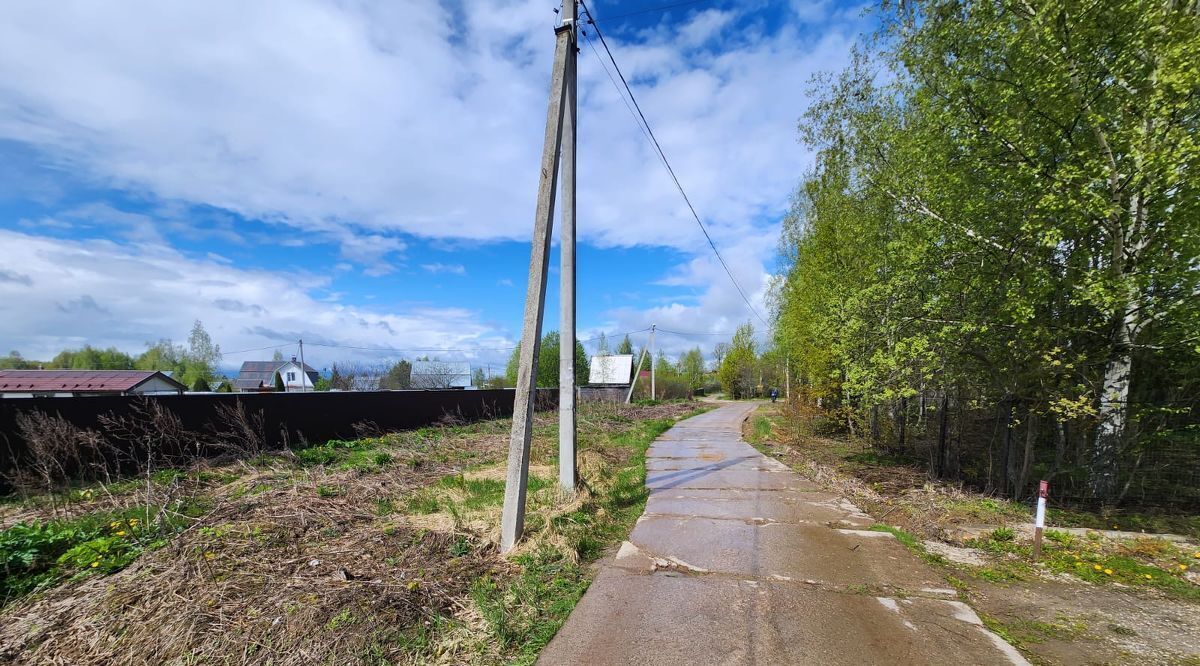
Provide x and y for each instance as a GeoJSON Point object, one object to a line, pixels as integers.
{"type": "Point", "coordinates": [774, 394]}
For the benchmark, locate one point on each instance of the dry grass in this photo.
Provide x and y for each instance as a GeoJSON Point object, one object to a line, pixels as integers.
{"type": "Point", "coordinates": [298, 564]}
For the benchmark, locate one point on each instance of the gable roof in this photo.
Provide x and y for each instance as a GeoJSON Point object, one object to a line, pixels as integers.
{"type": "Point", "coordinates": [264, 372]}
{"type": "Point", "coordinates": [90, 381]}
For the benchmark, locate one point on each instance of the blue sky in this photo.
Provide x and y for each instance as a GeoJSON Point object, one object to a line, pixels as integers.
{"type": "Point", "coordinates": [363, 174]}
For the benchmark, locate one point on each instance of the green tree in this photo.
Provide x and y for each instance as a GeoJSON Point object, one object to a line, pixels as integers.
{"type": "Point", "coordinates": [1014, 213]}
{"type": "Point", "coordinates": [398, 377]}
{"type": "Point", "coordinates": [691, 367]}
{"type": "Point", "coordinates": [736, 373]}
{"type": "Point", "coordinates": [625, 346]}
{"type": "Point", "coordinates": [547, 363]}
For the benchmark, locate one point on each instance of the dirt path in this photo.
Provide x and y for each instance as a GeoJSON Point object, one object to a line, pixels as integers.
{"type": "Point", "coordinates": [738, 560]}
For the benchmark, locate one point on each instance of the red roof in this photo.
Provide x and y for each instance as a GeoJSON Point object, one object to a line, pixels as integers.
{"type": "Point", "coordinates": [92, 381]}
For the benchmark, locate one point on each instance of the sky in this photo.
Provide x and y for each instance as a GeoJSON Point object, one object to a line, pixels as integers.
{"type": "Point", "coordinates": [362, 175]}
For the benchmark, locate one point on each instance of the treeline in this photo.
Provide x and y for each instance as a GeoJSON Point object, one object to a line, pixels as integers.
{"type": "Point", "coordinates": [194, 365]}
{"type": "Point", "coordinates": [1005, 218]}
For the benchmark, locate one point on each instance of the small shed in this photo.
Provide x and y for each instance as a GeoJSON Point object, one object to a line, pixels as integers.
{"type": "Point", "coordinates": [608, 378]}
{"type": "Point", "coordinates": [610, 370]}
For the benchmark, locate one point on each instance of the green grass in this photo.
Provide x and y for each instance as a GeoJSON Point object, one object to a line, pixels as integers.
{"type": "Point", "coordinates": [1086, 558]}
{"type": "Point", "coordinates": [909, 541]}
{"type": "Point", "coordinates": [524, 612]}
{"type": "Point", "coordinates": [38, 554]}
{"type": "Point", "coordinates": [1021, 632]}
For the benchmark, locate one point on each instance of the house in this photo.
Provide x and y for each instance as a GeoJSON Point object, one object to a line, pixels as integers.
{"type": "Point", "coordinates": [440, 375]}
{"type": "Point", "coordinates": [261, 376]}
{"type": "Point", "coordinates": [75, 383]}
{"type": "Point", "coordinates": [608, 378]}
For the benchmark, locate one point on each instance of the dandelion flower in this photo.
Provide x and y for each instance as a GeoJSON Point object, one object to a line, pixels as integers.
{"type": "Point", "coordinates": [1183, 567]}
{"type": "Point", "coordinates": [1149, 577]}
{"type": "Point", "coordinates": [121, 533]}
{"type": "Point", "coordinates": [95, 564]}
{"type": "Point", "coordinates": [1108, 571]}
{"type": "Point", "coordinates": [1097, 567]}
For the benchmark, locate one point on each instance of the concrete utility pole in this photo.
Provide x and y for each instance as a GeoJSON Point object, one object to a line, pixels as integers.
{"type": "Point", "coordinates": [566, 328]}
{"type": "Point", "coordinates": [512, 520]}
{"type": "Point", "coordinates": [303, 372]}
{"type": "Point", "coordinates": [653, 395]}
{"type": "Point", "coordinates": [637, 371]}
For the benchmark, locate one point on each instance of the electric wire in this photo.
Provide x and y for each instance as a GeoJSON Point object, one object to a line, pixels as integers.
{"type": "Point", "coordinates": [666, 163]}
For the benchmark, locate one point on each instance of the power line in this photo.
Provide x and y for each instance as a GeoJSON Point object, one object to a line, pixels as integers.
{"type": "Point", "coordinates": [244, 351]}
{"type": "Point", "coordinates": [686, 334]}
{"type": "Point", "coordinates": [663, 156]}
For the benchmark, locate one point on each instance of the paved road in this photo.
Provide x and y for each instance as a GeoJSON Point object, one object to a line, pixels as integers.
{"type": "Point", "coordinates": [738, 560]}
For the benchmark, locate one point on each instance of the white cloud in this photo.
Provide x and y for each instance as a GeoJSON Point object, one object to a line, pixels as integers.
{"type": "Point", "coordinates": [435, 268]}
{"type": "Point", "coordinates": [356, 123]}
{"type": "Point", "coordinates": [103, 293]}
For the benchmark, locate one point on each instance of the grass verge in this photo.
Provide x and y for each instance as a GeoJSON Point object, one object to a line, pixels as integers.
{"type": "Point", "coordinates": [381, 550]}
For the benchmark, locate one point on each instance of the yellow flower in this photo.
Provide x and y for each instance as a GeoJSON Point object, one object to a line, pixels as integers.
{"type": "Point", "coordinates": [95, 564]}
{"type": "Point", "coordinates": [1108, 571]}
{"type": "Point", "coordinates": [115, 524]}
{"type": "Point", "coordinates": [1097, 567]}
{"type": "Point", "coordinates": [1183, 567]}
{"type": "Point", "coordinates": [1149, 577]}
{"type": "Point", "coordinates": [209, 555]}
{"type": "Point", "coordinates": [121, 533]}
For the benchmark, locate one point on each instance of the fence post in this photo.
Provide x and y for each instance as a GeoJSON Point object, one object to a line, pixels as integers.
{"type": "Point", "coordinates": [1039, 520]}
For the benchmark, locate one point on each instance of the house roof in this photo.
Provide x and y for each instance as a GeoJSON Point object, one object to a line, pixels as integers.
{"type": "Point", "coordinates": [438, 374]}
{"type": "Point", "coordinates": [91, 381]}
{"type": "Point", "coordinates": [610, 369]}
{"type": "Point", "coordinates": [264, 372]}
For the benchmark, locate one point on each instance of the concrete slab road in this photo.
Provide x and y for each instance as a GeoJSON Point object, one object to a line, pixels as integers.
{"type": "Point", "coordinates": [738, 560]}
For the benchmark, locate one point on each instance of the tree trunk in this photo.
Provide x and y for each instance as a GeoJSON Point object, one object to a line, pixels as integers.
{"type": "Point", "coordinates": [943, 423]}
{"type": "Point", "coordinates": [875, 424]}
{"type": "Point", "coordinates": [1006, 467]}
{"type": "Point", "coordinates": [902, 422]}
{"type": "Point", "coordinates": [1060, 446]}
{"type": "Point", "coordinates": [1031, 422]}
{"type": "Point", "coordinates": [1114, 408]}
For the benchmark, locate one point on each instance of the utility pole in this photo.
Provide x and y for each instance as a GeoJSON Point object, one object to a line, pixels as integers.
{"type": "Point", "coordinates": [653, 395]}
{"type": "Point", "coordinates": [566, 328]}
{"type": "Point", "coordinates": [303, 372]}
{"type": "Point", "coordinates": [512, 519]}
{"type": "Point", "coordinates": [787, 377]}
{"type": "Point", "coordinates": [637, 371]}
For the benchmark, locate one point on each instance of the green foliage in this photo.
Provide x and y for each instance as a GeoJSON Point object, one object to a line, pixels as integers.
{"type": "Point", "coordinates": [547, 363]}
{"type": "Point", "coordinates": [736, 372]}
{"type": "Point", "coordinates": [398, 377]}
{"type": "Point", "coordinates": [1013, 211]}
{"type": "Point", "coordinates": [36, 554]}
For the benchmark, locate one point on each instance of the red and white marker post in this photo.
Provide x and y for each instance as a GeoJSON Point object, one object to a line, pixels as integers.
{"type": "Point", "coordinates": [1039, 520]}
